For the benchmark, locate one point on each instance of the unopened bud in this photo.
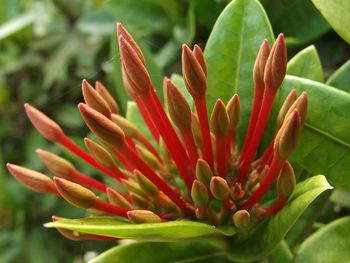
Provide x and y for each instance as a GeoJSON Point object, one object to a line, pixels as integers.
{"type": "Point", "coordinates": [100, 154]}
{"type": "Point", "coordinates": [237, 191]}
{"type": "Point", "coordinates": [127, 126]}
{"type": "Point", "coordinates": [75, 194]}
{"type": "Point", "coordinates": [179, 110]}
{"type": "Point", "coordinates": [148, 157]}
{"type": "Point", "coordinates": [101, 89]}
{"type": "Point", "coordinates": [140, 202]}
{"type": "Point", "coordinates": [201, 212]}
{"type": "Point", "coordinates": [198, 53]}
{"type": "Point", "coordinates": [301, 105]}
{"type": "Point", "coordinates": [241, 219]}
{"type": "Point", "coordinates": [117, 199]}
{"type": "Point", "coordinates": [260, 63]}
{"type": "Point", "coordinates": [219, 187]}
{"type": "Point", "coordinates": [288, 102]}
{"type": "Point", "coordinates": [286, 181]}
{"type": "Point", "coordinates": [199, 193]}
{"type": "Point", "coordinates": [203, 172]}
{"type": "Point", "coordinates": [143, 216]}
{"type": "Point", "coordinates": [145, 184]}
{"type": "Point", "coordinates": [219, 120]}
{"type": "Point", "coordinates": [233, 111]}
{"type": "Point", "coordinates": [132, 187]}
{"type": "Point", "coordinates": [196, 131]}
{"type": "Point", "coordinates": [94, 99]}
{"type": "Point", "coordinates": [45, 126]}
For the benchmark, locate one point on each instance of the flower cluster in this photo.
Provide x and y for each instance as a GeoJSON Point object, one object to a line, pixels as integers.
{"type": "Point", "coordinates": [195, 171]}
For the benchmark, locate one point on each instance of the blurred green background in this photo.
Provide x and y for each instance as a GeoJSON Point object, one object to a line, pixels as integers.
{"type": "Point", "coordinates": [48, 47]}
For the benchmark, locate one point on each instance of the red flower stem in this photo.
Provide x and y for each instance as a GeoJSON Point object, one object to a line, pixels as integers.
{"type": "Point", "coordinates": [131, 143]}
{"type": "Point", "coordinates": [277, 205]}
{"type": "Point", "coordinates": [124, 161]}
{"type": "Point", "coordinates": [109, 208]}
{"type": "Point", "coordinates": [148, 145]}
{"type": "Point", "coordinates": [190, 145]}
{"type": "Point", "coordinates": [71, 146]}
{"type": "Point", "coordinates": [202, 113]}
{"type": "Point", "coordinates": [273, 172]}
{"type": "Point", "coordinates": [83, 179]}
{"type": "Point", "coordinates": [265, 156]}
{"type": "Point", "coordinates": [228, 147]}
{"type": "Point", "coordinates": [147, 118]}
{"type": "Point", "coordinates": [220, 155]}
{"type": "Point", "coordinates": [227, 204]}
{"type": "Point", "coordinates": [101, 238]}
{"type": "Point", "coordinates": [152, 176]}
{"type": "Point", "coordinates": [257, 135]}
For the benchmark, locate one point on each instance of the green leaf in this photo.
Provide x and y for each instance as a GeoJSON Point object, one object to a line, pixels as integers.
{"type": "Point", "coordinates": [330, 244]}
{"type": "Point", "coordinates": [167, 231]}
{"type": "Point", "coordinates": [306, 64]}
{"type": "Point", "coordinates": [231, 51]}
{"type": "Point", "coordinates": [324, 145]}
{"type": "Point", "coordinates": [336, 13]}
{"type": "Point", "coordinates": [341, 197]}
{"type": "Point", "coordinates": [133, 114]}
{"type": "Point", "coordinates": [142, 252]}
{"type": "Point", "coordinates": [16, 24]}
{"type": "Point", "coordinates": [340, 79]}
{"type": "Point", "coordinates": [269, 234]}
{"type": "Point", "coordinates": [281, 253]}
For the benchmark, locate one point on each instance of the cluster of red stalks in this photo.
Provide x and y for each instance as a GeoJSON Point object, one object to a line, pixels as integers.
{"type": "Point", "coordinates": [195, 172]}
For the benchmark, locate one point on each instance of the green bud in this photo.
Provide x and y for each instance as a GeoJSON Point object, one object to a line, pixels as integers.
{"type": "Point", "coordinates": [100, 154]}
{"type": "Point", "coordinates": [233, 111]}
{"type": "Point", "coordinates": [95, 100]}
{"type": "Point", "coordinates": [241, 219]}
{"type": "Point", "coordinates": [219, 187]}
{"type": "Point", "coordinates": [145, 184]}
{"type": "Point", "coordinates": [301, 105]}
{"type": "Point", "coordinates": [148, 157]}
{"type": "Point", "coordinates": [132, 186]}
{"type": "Point", "coordinates": [117, 199]}
{"type": "Point", "coordinates": [288, 102]}
{"type": "Point", "coordinates": [219, 120]}
{"type": "Point", "coordinates": [203, 172]}
{"type": "Point", "coordinates": [260, 63]}
{"type": "Point", "coordinates": [286, 181]}
{"type": "Point", "coordinates": [237, 191]}
{"type": "Point", "coordinates": [143, 216]}
{"type": "Point", "coordinates": [128, 127]}
{"type": "Point", "coordinates": [101, 89]}
{"type": "Point", "coordinates": [199, 193]}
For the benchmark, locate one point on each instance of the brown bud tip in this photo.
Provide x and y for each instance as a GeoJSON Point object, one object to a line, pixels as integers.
{"type": "Point", "coordinates": [57, 165]}
{"type": "Point", "coordinates": [121, 31]}
{"type": "Point", "coordinates": [288, 102]}
{"type": "Point", "coordinates": [100, 154]}
{"type": "Point", "coordinates": [75, 194]}
{"type": "Point", "coordinates": [199, 193]}
{"type": "Point", "coordinates": [219, 120]}
{"type": "Point", "coordinates": [94, 99]}
{"type": "Point", "coordinates": [237, 192]}
{"type": "Point", "coordinates": [198, 53]}
{"type": "Point", "coordinates": [241, 219]}
{"type": "Point", "coordinates": [194, 76]}
{"type": "Point", "coordinates": [105, 130]}
{"type": "Point", "coordinates": [143, 216]}
{"type": "Point", "coordinates": [276, 65]}
{"type": "Point", "coordinates": [135, 73]}
{"type": "Point", "coordinates": [47, 127]}
{"type": "Point", "coordinates": [301, 105]}
{"type": "Point", "coordinates": [286, 181]}
{"type": "Point", "coordinates": [117, 199]}
{"type": "Point", "coordinates": [145, 184]}
{"type": "Point", "coordinates": [288, 135]}
{"type": "Point", "coordinates": [219, 187]}
{"type": "Point", "coordinates": [179, 110]}
{"type": "Point", "coordinates": [233, 111]}
{"type": "Point", "coordinates": [203, 172]}
{"type": "Point", "coordinates": [101, 89]}
{"type": "Point", "coordinates": [35, 181]}
{"type": "Point", "coordinates": [128, 127]}
{"type": "Point", "coordinates": [260, 63]}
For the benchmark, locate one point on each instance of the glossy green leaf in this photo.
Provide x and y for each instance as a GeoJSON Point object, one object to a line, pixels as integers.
{"type": "Point", "coordinates": [336, 13]}
{"type": "Point", "coordinates": [306, 64]}
{"type": "Point", "coordinates": [340, 79]}
{"type": "Point", "coordinates": [341, 197]}
{"type": "Point", "coordinates": [269, 234]}
{"type": "Point", "coordinates": [329, 244]}
{"type": "Point", "coordinates": [281, 253]}
{"type": "Point", "coordinates": [324, 146]}
{"type": "Point", "coordinates": [231, 51]}
{"type": "Point", "coordinates": [167, 231]}
{"type": "Point", "coordinates": [142, 252]}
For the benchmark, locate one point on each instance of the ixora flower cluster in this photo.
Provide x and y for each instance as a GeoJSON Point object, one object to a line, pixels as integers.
{"type": "Point", "coordinates": [195, 173]}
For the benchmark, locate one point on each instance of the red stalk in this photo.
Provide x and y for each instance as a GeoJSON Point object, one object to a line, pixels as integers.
{"type": "Point", "coordinates": [228, 147]}
{"type": "Point", "coordinates": [109, 208]}
{"type": "Point", "coordinates": [131, 143]}
{"type": "Point", "coordinates": [190, 145]}
{"type": "Point", "coordinates": [277, 205]}
{"type": "Point", "coordinates": [265, 156]}
{"type": "Point", "coordinates": [228, 205]}
{"type": "Point", "coordinates": [83, 179]}
{"type": "Point", "coordinates": [220, 155]}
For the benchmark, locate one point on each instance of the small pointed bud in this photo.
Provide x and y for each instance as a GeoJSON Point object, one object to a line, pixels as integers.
{"type": "Point", "coordinates": [140, 202]}
{"type": "Point", "coordinates": [237, 192]}
{"type": "Point", "coordinates": [194, 76]}
{"type": "Point", "coordinates": [101, 89]}
{"type": "Point", "coordinates": [286, 181]}
{"type": "Point", "coordinates": [100, 154]}
{"type": "Point", "coordinates": [117, 199]}
{"type": "Point", "coordinates": [148, 157]}
{"type": "Point", "coordinates": [219, 187]}
{"type": "Point", "coordinates": [253, 179]}
{"type": "Point", "coordinates": [241, 219]}
{"type": "Point", "coordinates": [45, 126]}
{"type": "Point", "coordinates": [121, 31]}
{"type": "Point", "coordinates": [132, 186]}
{"type": "Point", "coordinates": [199, 194]}
{"type": "Point", "coordinates": [145, 184]}
{"type": "Point", "coordinates": [219, 120]}
{"type": "Point", "coordinates": [203, 172]}
{"type": "Point", "coordinates": [94, 99]}
{"type": "Point", "coordinates": [260, 63]}
{"type": "Point", "coordinates": [288, 136]}
{"type": "Point", "coordinates": [196, 131]}
{"type": "Point", "coordinates": [301, 105]}
{"type": "Point", "coordinates": [128, 127]}
{"type": "Point", "coordinates": [288, 102]}
{"type": "Point", "coordinates": [276, 65]}
{"type": "Point", "coordinates": [233, 111]}
{"type": "Point", "coordinates": [57, 165]}
{"type": "Point", "coordinates": [143, 216]}
{"type": "Point", "coordinates": [198, 53]}
{"type": "Point", "coordinates": [75, 194]}
{"type": "Point", "coordinates": [35, 181]}
{"type": "Point", "coordinates": [135, 72]}
{"type": "Point", "coordinates": [179, 110]}
{"type": "Point", "coordinates": [105, 130]}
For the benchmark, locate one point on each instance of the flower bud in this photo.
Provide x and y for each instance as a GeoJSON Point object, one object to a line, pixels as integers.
{"type": "Point", "coordinates": [132, 186]}
{"type": "Point", "coordinates": [148, 157]}
{"type": "Point", "coordinates": [196, 131]}
{"type": "Point", "coordinates": [219, 120]}
{"type": "Point", "coordinates": [203, 172]}
{"type": "Point", "coordinates": [179, 110]}
{"type": "Point", "coordinates": [128, 127]}
{"type": "Point", "coordinates": [237, 192]}
{"type": "Point", "coordinates": [75, 194]}
{"type": "Point", "coordinates": [301, 105]}
{"type": "Point", "coordinates": [288, 102]}
{"type": "Point", "coordinates": [143, 216]}
{"type": "Point", "coordinates": [286, 181]}
{"type": "Point", "coordinates": [101, 89]}
{"type": "Point", "coordinates": [241, 219]}
{"type": "Point", "coordinates": [219, 187]}
{"type": "Point", "coordinates": [145, 184]}
{"type": "Point", "coordinates": [117, 199]}
{"type": "Point", "coordinates": [198, 53]}
{"type": "Point", "coordinates": [201, 212]}
{"type": "Point", "coordinates": [199, 193]}
{"type": "Point", "coordinates": [101, 155]}
{"type": "Point", "coordinates": [233, 111]}
{"type": "Point", "coordinates": [44, 125]}
{"type": "Point", "coordinates": [94, 99]}
{"type": "Point", "coordinates": [140, 202]}
{"type": "Point", "coordinates": [260, 63]}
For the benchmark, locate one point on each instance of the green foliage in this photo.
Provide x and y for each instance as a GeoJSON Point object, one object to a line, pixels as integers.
{"type": "Point", "coordinates": [340, 79]}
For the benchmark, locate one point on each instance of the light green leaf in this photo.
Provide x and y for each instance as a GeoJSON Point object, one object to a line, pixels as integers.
{"type": "Point", "coordinates": [269, 234]}
{"type": "Point", "coordinates": [16, 24]}
{"type": "Point", "coordinates": [341, 197]}
{"type": "Point", "coordinates": [141, 252]}
{"type": "Point", "coordinates": [306, 64]}
{"type": "Point", "coordinates": [231, 51]}
{"type": "Point", "coordinates": [324, 146]}
{"type": "Point", "coordinates": [336, 13]}
{"type": "Point", "coordinates": [167, 231]}
{"type": "Point", "coordinates": [340, 79]}
{"type": "Point", "coordinates": [133, 114]}
{"type": "Point", "coordinates": [329, 244]}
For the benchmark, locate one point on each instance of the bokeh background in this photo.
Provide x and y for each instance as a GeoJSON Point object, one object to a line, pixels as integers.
{"type": "Point", "coordinates": [47, 47]}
